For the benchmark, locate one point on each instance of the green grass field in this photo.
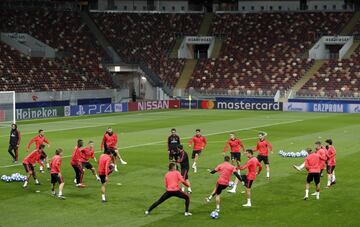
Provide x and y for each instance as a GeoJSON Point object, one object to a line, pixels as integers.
{"type": "Point", "coordinates": [142, 137]}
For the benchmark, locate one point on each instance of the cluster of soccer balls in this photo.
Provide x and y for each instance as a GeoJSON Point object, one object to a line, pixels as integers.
{"type": "Point", "coordinates": [300, 154]}
{"type": "Point", "coordinates": [15, 177]}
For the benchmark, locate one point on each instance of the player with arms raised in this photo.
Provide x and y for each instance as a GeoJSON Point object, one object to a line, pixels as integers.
{"type": "Point", "coordinates": [110, 141]}
{"type": "Point", "coordinates": [199, 143]}
{"type": "Point", "coordinates": [38, 140]}
{"type": "Point", "coordinates": [263, 146]}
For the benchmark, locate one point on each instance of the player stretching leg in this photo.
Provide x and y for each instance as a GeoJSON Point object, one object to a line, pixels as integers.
{"type": "Point", "coordinates": [172, 181]}
{"type": "Point", "coordinates": [76, 164]}
{"type": "Point", "coordinates": [110, 140]}
{"type": "Point", "coordinates": [312, 164]}
{"type": "Point", "coordinates": [331, 154]}
{"type": "Point", "coordinates": [225, 170]}
{"type": "Point", "coordinates": [29, 162]}
{"type": "Point", "coordinates": [199, 144]}
{"type": "Point", "coordinates": [248, 179]}
{"type": "Point", "coordinates": [235, 144]}
{"type": "Point", "coordinates": [263, 146]}
{"type": "Point", "coordinates": [38, 140]}
{"type": "Point", "coordinates": [87, 153]}
{"type": "Point", "coordinates": [184, 164]}
{"type": "Point", "coordinates": [56, 175]}
{"type": "Point", "coordinates": [104, 170]}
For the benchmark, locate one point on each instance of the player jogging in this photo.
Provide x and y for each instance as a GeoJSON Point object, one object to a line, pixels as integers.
{"type": "Point", "coordinates": [252, 164]}
{"type": "Point", "coordinates": [56, 176]}
{"type": "Point", "coordinates": [312, 165]}
{"type": "Point", "coordinates": [110, 140]}
{"type": "Point", "coordinates": [87, 153]}
{"type": "Point", "coordinates": [199, 144]}
{"type": "Point", "coordinates": [14, 143]}
{"type": "Point", "coordinates": [172, 180]}
{"type": "Point", "coordinates": [76, 164]}
{"type": "Point", "coordinates": [226, 170]}
{"type": "Point", "coordinates": [173, 143]}
{"type": "Point", "coordinates": [38, 140]}
{"type": "Point", "coordinates": [263, 146]}
{"type": "Point", "coordinates": [105, 168]}
{"type": "Point", "coordinates": [331, 154]}
{"type": "Point", "coordinates": [29, 162]}
{"type": "Point", "coordinates": [235, 145]}
{"type": "Point", "coordinates": [184, 164]}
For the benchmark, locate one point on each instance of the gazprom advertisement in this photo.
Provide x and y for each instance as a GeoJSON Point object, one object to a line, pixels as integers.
{"type": "Point", "coordinates": [247, 104]}
{"type": "Point", "coordinates": [95, 109]}
{"type": "Point", "coordinates": [326, 107]}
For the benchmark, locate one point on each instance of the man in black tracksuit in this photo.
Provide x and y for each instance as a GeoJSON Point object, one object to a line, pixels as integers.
{"type": "Point", "coordinates": [14, 142]}
{"type": "Point", "coordinates": [173, 142]}
{"type": "Point", "coordinates": [183, 159]}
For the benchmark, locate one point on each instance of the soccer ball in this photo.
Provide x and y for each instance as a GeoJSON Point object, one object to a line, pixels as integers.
{"type": "Point", "coordinates": [214, 215]}
{"type": "Point", "coordinates": [231, 183]}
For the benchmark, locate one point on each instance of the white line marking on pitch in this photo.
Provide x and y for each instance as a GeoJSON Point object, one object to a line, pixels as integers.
{"type": "Point", "coordinates": [210, 134]}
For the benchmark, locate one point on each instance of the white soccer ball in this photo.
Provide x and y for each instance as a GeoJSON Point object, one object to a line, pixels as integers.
{"type": "Point", "coordinates": [231, 183]}
{"type": "Point", "coordinates": [214, 215]}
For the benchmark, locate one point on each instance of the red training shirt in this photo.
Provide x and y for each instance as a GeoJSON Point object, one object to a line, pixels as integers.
{"type": "Point", "coordinates": [86, 154]}
{"type": "Point", "coordinates": [199, 142]}
{"type": "Point", "coordinates": [55, 164]}
{"type": "Point", "coordinates": [251, 165]}
{"type": "Point", "coordinates": [322, 154]}
{"type": "Point", "coordinates": [172, 180]}
{"type": "Point", "coordinates": [33, 157]}
{"type": "Point", "coordinates": [225, 170]}
{"type": "Point", "coordinates": [234, 145]}
{"type": "Point", "coordinates": [111, 141]}
{"type": "Point", "coordinates": [312, 163]}
{"type": "Point", "coordinates": [331, 153]}
{"type": "Point", "coordinates": [263, 147]}
{"type": "Point", "coordinates": [104, 164]}
{"type": "Point", "coordinates": [38, 140]}
{"type": "Point", "coordinates": [76, 156]}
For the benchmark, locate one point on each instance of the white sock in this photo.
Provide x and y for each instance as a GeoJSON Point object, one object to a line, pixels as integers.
{"type": "Point", "coordinates": [60, 193]}
{"type": "Point", "coordinates": [333, 177]}
{"type": "Point", "coordinates": [103, 196]}
{"type": "Point", "coordinates": [317, 195]}
{"type": "Point", "coordinates": [238, 171]}
{"type": "Point", "coordinates": [182, 189]}
{"type": "Point", "coordinates": [329, 182]}
{"type": "Point", "coordinates": [218, 206]}
{"type": "Point", "coordinates": [41, 168]}
{"type": "Point", "coordinates": [53, 192]}
{"type": "Point", "coordinates": [25, 183]}
{"type": "Point", "coordinates": [234, 187]}
{"type": "Point", "coordinates": [36, 181]}
{"type": "Point", "coordinates": [194, 165]}
{"type": "Point", "coordinates": [302, 166]}
{"type": "Point", "coordinates": [47, 165]}
{"type": "Point", "coordinates": [210, 197]}
{"type": "Point", "coordinates": [267, 174]}
{"type": "Point", "coordinates": [306, 192]}
{"type": "Point", "coordinates": [189, 189]}
{"type": "Point", "coordinates": [248, 201]}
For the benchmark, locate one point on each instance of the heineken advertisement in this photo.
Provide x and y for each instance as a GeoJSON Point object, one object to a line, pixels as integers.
{"type": "Point", "coordinates": [41, 112]}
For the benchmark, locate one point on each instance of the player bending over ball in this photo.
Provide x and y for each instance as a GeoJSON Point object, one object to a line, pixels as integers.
{"type": "Point", "coordinates": [87, 153]}
{"type": "Point", "coordinates": [263, 146]}
{"type": "Point", "coordinates": [38, 140]}
{"type": "Point", "coordinates": [312, 165]}
{"type": "Point", "coordinates": [250, 176]}
{"type": "Point", "coordinates": [172, 180]}
{"type": "Point", "coordinates": [29, 162]}
{"type": "Point", "coordinates": [235, 145]}
{"type": "Point", "coordinates": [104, 170]}
{"type": "Point", "coordinates": [56, 176]}
{"type": "Point", "coordinates": [226, 170]}
{"type": "Point", "coordinates": [76, 164]}
{"type": "Point", "coordinates": [109, 141]}
{"type": "Point", "coordinates": [199, 144]}
{"type": "Point", "coordinates": [330, 154]}
{"type": "Point", "coordinates": [184, 164]}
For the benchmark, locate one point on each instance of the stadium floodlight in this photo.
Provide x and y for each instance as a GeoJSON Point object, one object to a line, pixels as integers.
{"type": "Point", "coordinates": [7, 108]}
{"type": "Point", "coordinates": [190, 102]}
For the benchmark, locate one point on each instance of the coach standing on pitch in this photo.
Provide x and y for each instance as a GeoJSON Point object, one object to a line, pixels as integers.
{"type": "Point", "coordinates": [14, 142]}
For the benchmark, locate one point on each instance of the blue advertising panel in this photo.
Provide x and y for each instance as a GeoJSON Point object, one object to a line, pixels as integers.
{"type": "Point", "coordinates": [185, 103]}
{"type": "Point", "coordinates": [95, 109]}
{"type": "Point", "coordinates": [247, 104]}
{"type": "Point", "coordinates": [327, 107]}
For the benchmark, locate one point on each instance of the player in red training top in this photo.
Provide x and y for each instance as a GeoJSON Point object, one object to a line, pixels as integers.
{"type": "Point", "coordinates": [87, 153]}
{"type": "Point", "coordinates": [263, 146]}
{"type": "Point", "coordinates": [226, 170]}
{"type": "Point", "coordinates": [321, 151]}
{"type": "Point", "coordinates": [235, 145]}
{"type": "Point", "coordinates": [331, 162]}
{"type": "Point", "coordinates": [312, 164]}
{"type": "Point", "coordinates": [38, 140]}
{"type": "Point", "coordinates": [29, 162]}
{"type": "Point", "coordinates": [109, 141]}
{"type": "Point", "coordinates": [172, 180]}
{"type": "Point", "coordinates": [199, 144]}
{"type": "Point", "coordinates": [252, 164]}
{"type": "Point", "coordinates": [76, 164]}
{"type": "Point", "coordinates": [56, 176]}
{"type": "Point", "coordinates": [105, 168]}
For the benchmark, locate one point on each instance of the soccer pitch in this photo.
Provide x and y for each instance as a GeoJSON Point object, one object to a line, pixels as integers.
{"type": "Point", "coordinates": [142, 142]}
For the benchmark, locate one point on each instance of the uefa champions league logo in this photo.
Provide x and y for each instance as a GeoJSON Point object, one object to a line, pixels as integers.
{"type": "Point", "coordinates": [81, 111]}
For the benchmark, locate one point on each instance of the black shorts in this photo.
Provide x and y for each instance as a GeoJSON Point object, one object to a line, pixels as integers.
{"type": "Point", "coordinates": [235, 156]}
{"type": "Point", "coordinates": [173, 155]}
{"type": "Point", "coordinates": [219, 188]}
{"type": "Point", "coordinates": [56, 178]}
{"type": "Point", "coordinates": [330, 169]}
{"type": "Point", "coordinates": [29, 168]}
{"type": "Point", "coordinates": [263, 158]}
{"type": "Point", "coordinates": [103, 179]}
{"type": "Point", "coordinates": [195, 152]}
{"type": "Point", "coordinates": [247, 182]}
{"type": "Point", "coordinates": [86, 165]}
{"type": "Point", "coordinates": [185, 173]}
{"type": "Point", "coordinates": [43, 155]}
{"type": "Point", "coordinates": [313, 177]}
